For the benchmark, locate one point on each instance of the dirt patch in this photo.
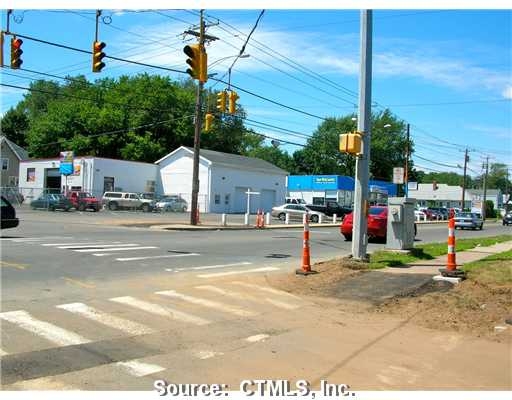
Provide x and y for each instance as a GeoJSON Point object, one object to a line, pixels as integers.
{"type": "Point", "coordinates": [469, 307]}
{"type": "Point", "coordinates": [322, 284]}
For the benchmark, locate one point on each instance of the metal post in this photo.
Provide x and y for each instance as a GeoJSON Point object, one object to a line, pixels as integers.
{"type": "Point", "coordinates": [359, 240]}
{"type": "Point", "coordinates": [485, 188]}
{"type": "Point", "coordinates": [197, 136]}
{"type": "Point", "coordinates": [407, 150]}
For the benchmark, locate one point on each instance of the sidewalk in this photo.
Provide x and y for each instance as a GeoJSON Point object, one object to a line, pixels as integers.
{"type": "Point", "coordinates": [374, 287]}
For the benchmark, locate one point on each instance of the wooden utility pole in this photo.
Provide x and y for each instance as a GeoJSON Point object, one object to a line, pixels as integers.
{"type": "Point", "coordinates": [485, 187]}
{"type": "Point", "coordinates": [466, 158]}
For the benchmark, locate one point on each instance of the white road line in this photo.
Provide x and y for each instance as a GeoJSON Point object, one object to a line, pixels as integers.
{"type": "Point", "coordinates": [208, 267]}
{"type": "Point", "coordinates": [102, 254]}
{"type": "Point", "coordinates": [160, 310]}
{"type": "Point", "coordinates": [208, 303]}
{"type": "Point", "coordinates": [130, 327]}
{"type": "Point", "coordinates": [257, 338]}
{"type": "Point", "coordinates": [151, 257]}
{"type": "Point", "coordinates": [242, 296]}
{"type": "Point", "coordinates": [53, 333]}
{"type": "Point", "coordinates": [3, 353]}
{"type": "Point", "coordinates": [98, 246]}
{"type": "Point", "coordinates": [138, 368]}
{"type": "Point", "coordinates": [116, 249]}
{"type": "Point", "coordinates": [265, 289]}
{"type": "Point", "coordinates": [205, 354]}
{"type": "Point", "coordinates": [245, 271]}
{"type": "Point", "coordinates": [73, 244]}
{"type": "Point", "coordinates": [36, 239]}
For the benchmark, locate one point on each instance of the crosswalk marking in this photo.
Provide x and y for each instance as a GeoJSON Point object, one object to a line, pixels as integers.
{"type": "Point", "coordinates": [138, 368]}
{"type": "Point", "coordinates": [130, 327]}
{"type": "Point", "coordinates": [257, 338]}
{"type": "Point", "coordinates": [208, 303]}
{"type": "Point", "coordinates": [3, 353]}
{"type": "Point", "coordinates": [97, 246]}
{"type": "Point", "coordinates": [244, 271]}
{"type": "Point", "coordinates": [159, 310]}
{"type": "Point", "coordinates": [50, 332]}
{"type": "Point", "coordinates": [238, 295]}
{"type": "Point", "coordinates": [152, 257]}
{"type": "Point", "coordinates": [205, 354]}
{"type": "Point", "coordinates": [115, 249]}
{"type": "Point", "coordinates": [35, 239]}
{"type": "Point", "coordinates": [74, 244]}
{"type": "Point", "coordinates": [222, 265]}
{"type": "Point", "coordinates": [265, 289]}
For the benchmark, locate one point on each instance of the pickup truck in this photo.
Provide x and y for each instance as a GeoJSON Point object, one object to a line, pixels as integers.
{"type": "Point", "coordinates": [330, 208]}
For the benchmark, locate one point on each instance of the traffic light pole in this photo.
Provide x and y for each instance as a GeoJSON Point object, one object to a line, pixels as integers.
{"type": "Point", "coordinates": [197, 137]}
{"type": "Point", "coordinates": [359, 235]}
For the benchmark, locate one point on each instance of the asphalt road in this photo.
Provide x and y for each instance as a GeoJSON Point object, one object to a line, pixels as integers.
{"type": "Point", "coordinates": [93, 306]}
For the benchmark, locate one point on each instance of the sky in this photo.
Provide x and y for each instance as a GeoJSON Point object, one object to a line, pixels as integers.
{"type": "Point", "coordinates": [445, 72]}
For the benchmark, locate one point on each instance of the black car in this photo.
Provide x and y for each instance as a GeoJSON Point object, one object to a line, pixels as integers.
{"type": "Point", "coordinates": [8, 212]}
{"type": "Point", "coordinates": [507, 219]}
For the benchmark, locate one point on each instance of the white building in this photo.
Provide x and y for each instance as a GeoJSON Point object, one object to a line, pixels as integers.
{"type": "Point", "coordinates": [224, 180]}
{"type": "Point", "coordinates": [91, 174]}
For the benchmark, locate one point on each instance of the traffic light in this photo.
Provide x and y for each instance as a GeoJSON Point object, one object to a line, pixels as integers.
{"type": "Point", "coordinates": [351, 143]}
{"type": "Point", "coordinates": [233, 97]}
{"type": "Point", "coordinates": [221, 101]}
{"type": "Point", "coordinates": [97, 56]}
{"type": "Point", "coordinates": [197, 59]}
{"type": "Point", "coordinates": [208, 121]}
{"type": "Point", "coordinates": [16, 53]}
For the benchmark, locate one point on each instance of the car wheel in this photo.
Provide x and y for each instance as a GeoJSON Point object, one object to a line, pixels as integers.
{"type": "Point", "coordinates": [481, 226]}
{"type": "Point", "coordinates": [112, 206]}
{"type": "Point", "coordinates": [81, 207]}
{"type": "Point", "coordinates": [145, 207]}
{"type": "Point", "coordinates": [282, 216]}
{"type": "Point", "coordinates": [314, 218]}
{"type": "Point", "coordinates": [348, 238]}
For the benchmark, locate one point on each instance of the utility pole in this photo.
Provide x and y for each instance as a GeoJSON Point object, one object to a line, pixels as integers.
{"type": "Point", "coordinates": [466, 158]}
{"type": "Point", "coordinates": [359, 237]}
{"type": "Point", "coordinates": [197, 135]}
{"type": "Point", "coordinates": [407, 150]}
{"type": "Point", "coordinates": [485, 187]}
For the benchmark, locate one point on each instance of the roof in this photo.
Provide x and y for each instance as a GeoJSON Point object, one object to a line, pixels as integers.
{"type": "Point", "coordinates": [83, 158]}
{"type": "Point", "coordinates": [489, 192]}
{"type": "Point", "coordinates": [233, 161]}
{"type": "Point", "coordinates": [19, 151]}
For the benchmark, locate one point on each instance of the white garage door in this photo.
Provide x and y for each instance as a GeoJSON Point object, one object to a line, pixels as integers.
{"type": "Point", "coordinates": [240, 204]}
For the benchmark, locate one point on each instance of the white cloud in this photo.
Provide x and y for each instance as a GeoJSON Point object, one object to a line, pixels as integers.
{"type": "Point", "coordinates": [507, 93]}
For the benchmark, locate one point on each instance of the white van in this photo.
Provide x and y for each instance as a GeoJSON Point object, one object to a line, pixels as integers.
{"type": "Point", "coordinates": [294, 200]}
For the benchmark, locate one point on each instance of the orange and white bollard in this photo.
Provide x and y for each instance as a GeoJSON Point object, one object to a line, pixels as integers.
{"type": "Point", "coordinates": [306, 261]}
{"type": "Point", "coordinates": [451, 270]}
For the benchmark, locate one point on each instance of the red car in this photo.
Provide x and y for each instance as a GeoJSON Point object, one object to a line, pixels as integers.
{"type": "Point", "coordinates": [83, 201]}
{"type": "Point", "coordinates": [377, 224]}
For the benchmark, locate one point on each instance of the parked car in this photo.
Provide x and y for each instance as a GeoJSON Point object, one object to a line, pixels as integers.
{"type": "Point", "coordinates": [377, 224]}
{"type": "Point", "coordinates": [330, 208]}
{"type": "Point", "coordinates": [52, 202]}
{"type": "Point", "coordinates": [296, 211]}
{"type": "Point", "coordinates": [171, 203]}
{"type": "Point", "coordinates": [420, 215]}
{"type": "Point", "coordinates": [295, 200]}
{"type": "Point", "coordinates": [125, 200]}
{"type": "Point", "coordinates": [84, 201]}
{"type": "Point", "coordinates": [469, 220]}
{"type": "Point", "coordinates": [441, 212]}
{"type": "Point", "coordinates": [507, 219]}
{"type": "Point", "coordinates": [8, 214]}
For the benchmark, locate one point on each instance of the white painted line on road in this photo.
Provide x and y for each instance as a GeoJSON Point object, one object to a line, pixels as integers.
{"type": "Point", "coordinates": [242, 296]}
{"type": "Point", "coordinates": [208, 267]}
{"type": "Point", "coordinates": [130, 327]}
{"type": "Point", "coordinates": [138, 368]}
{"type": "Point", "coordinates": [205, 354]}
{"type": "Point", "coordinates": [72, 244]}
{"type": "Point", "coordinates": [257, 338]}
{"type": "Point", "coordinates": [208, 303]}
{"type": "Point", "coordinates": [3, 353]}
{"type": "Point", "coordinates": [160, 310]}
{"type": "Point", "coordinates": [98, 246]}
{"type": "Point", "coordinates": [265, 289]}
{"type": "Point", "coordinates": [102, 254]}
{"type": "Point", "coordinates": [50, 332]}
{"type": "Point", "coordinates": [245, 271]}
{"type": "Point", "coordinates": [152, 257]}
{"type": "Point", "coordinates": [116, 249]}
{"type": "Point", "coordinates": [36, 239]}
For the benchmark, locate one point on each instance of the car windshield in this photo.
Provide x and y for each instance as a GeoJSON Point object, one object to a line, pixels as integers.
{"type": "Point", "coordinates": [376, 210]}
{"type": "Point", "coordinates": [465, 215]}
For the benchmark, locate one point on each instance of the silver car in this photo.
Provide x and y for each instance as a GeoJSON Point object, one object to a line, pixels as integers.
{"type": "Point", "coordinates": [171, 203]}
{"type": "Point", "coordinates": [468, 220]}
{"type": "Point", "coordinates": [296, 211]}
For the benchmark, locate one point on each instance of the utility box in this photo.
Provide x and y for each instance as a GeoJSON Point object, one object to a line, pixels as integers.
{"type": "Point", "coordinates": [400, 228]}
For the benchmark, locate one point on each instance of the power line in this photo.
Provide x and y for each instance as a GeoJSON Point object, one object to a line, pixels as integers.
{"type": "Point", "coordinates": [437, 163]}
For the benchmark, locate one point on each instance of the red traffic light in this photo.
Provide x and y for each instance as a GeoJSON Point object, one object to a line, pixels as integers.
{"type": "Point", "coordinates": [16, 43]}
{"type": "Point", "coordinates": [16, 53]}
{"type": "Point", "coordinates": [97, 56]}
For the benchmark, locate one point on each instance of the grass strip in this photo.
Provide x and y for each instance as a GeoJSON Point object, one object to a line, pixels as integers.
{"type": "Point", "coordinates": [492, 270]}
{"type": "Point", "coordinates": [383, 258]}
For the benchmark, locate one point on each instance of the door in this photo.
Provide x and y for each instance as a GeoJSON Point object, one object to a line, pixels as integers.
{"type": "Point", "coordinates": [267, 200]}
{"type": "Point", "coordinates": [240, 203]}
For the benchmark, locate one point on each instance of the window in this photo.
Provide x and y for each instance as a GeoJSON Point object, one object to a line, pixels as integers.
{"type": "Point", "coordinates": [217, 199]}
{"type": "Point", "coordinates": [5, 164]}
{"type": "Point", "coordinates": [226, 199]}
{"type": "Point", "coordinates": [31, 174]}
{"type": "Point", "coordinates": [133, 196]}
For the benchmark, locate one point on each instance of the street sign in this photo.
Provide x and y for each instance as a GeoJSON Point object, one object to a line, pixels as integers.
{"type": "Point", "coordinates": [398, 175]}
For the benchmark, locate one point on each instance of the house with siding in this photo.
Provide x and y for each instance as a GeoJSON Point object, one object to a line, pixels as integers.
{"type": "Point", "coordinates": [10, 157]}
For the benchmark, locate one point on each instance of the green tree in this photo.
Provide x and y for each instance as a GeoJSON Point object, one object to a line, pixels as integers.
{"type": "Point", "coordinates": [14, 125]}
